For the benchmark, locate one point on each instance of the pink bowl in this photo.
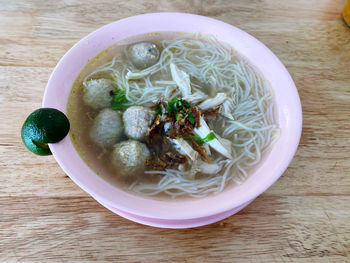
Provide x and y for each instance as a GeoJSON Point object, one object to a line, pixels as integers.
{"type": "Point", "coordinates": [147, 211]}
{"type": "Point", "coordinates": [177, 223]}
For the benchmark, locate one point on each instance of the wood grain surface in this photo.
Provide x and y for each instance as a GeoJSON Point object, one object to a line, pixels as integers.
{"type": "Point", "coordinates": [304, 217]}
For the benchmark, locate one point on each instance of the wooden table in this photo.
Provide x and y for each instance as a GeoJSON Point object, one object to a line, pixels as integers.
{"type": "Point", "coordinates": [304, 217]}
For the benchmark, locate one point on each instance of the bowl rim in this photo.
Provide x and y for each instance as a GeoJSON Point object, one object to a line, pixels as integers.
{"type": "Point", "coordinates": [290, 114]}
{"type": "Point", "coordinates": [177, 224]}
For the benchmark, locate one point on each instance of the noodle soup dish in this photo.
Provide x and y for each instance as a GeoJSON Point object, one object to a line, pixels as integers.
{"type": "Point", "coordinates": [177, 120]}
{"type": "Point", "coordinates": [169, 115]}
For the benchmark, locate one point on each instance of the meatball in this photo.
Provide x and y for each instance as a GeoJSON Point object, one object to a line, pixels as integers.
{"type": "Point", "coordinates": [107, 128]}
{"type": "Point", "coordinates": [143, 55]}
{"type": "Point", "coordinates": [97, 93]}
{"type": "Point", "coordinates": [128, 157]}
{"type": "Point", "coordinates": [137, 120]}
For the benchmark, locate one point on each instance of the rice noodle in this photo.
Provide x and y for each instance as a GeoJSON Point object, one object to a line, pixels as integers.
{"type": "Point", "coordinates": [252, 129]}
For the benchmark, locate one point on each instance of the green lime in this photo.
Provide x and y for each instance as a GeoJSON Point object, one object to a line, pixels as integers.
{"type": "Point", "coordinates": [43, 126]}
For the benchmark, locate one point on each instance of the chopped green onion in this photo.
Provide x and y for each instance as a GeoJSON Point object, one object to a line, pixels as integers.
{"type": "Point", "coordinates": [198, 139]}
{"type": "Point", "coordinates": [211, 136]}
{"type": "Point", "coordinates": [174, 105]}
{"type": "Point", "coordinates": [191, 117]}
{"type": "Point", "coordinates": [158, 110]}
{"type": "Point", "coordinates": [119, 100]}
{"type": "Point", "coordinates": [179, 104]}
{"type": "Point", "coordinates": [171, 105]}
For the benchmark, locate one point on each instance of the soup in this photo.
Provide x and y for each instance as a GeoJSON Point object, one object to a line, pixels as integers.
{"type": "Point", "coordinates": [171, 114]}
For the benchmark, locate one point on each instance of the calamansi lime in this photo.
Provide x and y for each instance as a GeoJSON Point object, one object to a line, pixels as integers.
{"type": "Point", "coordinates": [43, 126]}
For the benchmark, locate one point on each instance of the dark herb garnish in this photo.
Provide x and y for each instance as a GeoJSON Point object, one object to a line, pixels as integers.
{"type": "Point", "coordinates": [158, 110]}
{"type": "Point", "coordinates": [119, 100]}
{"type": "Point", "coordinates": [174, 105]}
{"type": "Point", "coordinates": [191, 117]}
